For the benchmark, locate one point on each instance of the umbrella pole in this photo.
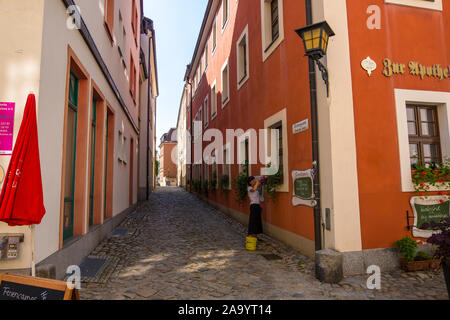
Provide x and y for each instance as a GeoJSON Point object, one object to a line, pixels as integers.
{"type": "Point", "coordinates": [33, 264]}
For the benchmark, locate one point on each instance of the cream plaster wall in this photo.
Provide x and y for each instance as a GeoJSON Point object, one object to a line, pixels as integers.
{"type": "Point", "coordinates": [339, 181]}
{"type": "Point", "coordinates": [20, 55]}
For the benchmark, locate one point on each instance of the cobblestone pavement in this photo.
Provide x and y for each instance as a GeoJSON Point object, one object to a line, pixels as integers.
{"type": "Point", "coordinates": [178, 247]}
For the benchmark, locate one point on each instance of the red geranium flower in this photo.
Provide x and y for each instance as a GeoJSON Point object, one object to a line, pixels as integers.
{"type": "Point", "coordinates": [421, 194]}
{"type": "Point", "coordinates": [424, 173]}
{"type": "Point", "coordinates": [442, 201]}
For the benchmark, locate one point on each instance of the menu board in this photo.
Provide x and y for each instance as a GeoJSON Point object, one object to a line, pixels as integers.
{"type": "Point", "coordinates": [6, 127]}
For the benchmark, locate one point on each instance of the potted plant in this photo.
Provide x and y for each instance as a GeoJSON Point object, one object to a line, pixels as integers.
{"type": "Point", "coordinates": [224, 182]}
{"type": "Point", "coordinates": [240, 185]}
{"type": "Point", "coordinates": [213, 183]}
{"type": "Point", "coordinates": [412, 261]}
{"type": "Point", "coordinates": [441, 240]}
{"type": "Point", "coordinates": [205, 187]}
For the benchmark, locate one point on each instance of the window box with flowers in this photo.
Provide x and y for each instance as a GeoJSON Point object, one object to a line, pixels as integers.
{"type": "Point", "coordinates": [432, 177]}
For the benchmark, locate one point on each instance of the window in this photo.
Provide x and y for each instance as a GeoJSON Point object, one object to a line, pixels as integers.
{"type": "Point", "coordinates": [224, 13]}
{"type": "Point", "coordinates": [425, 4]}
{"type": "Point", "coordinates": [206, 56]}
{"type": "Point", "coordinates": [133, 73]}
{"type": "Point", "coordinates": [206, 112]}
{"type": "Point", "coordinates": [225, 85]}
{"type": "Point", "coordinates": [424, 136]}
{"type": "Point", "coordinates": [272, 26]}
{"type": "Point", "coordinates": [92, 160]}
{"type": "Point", "coordinates": [226, 166]}
{"type": "Point", "coordinates": [279, 126]}
{"type": "Point", "coordinates": [242, 58]}
{"type": "Point", "coordinates": [274, 19]}
{"type": "Point", "coordinates": [109, 18]}
{"type": "Point", "coordinates": [70, 157]}
{"type": "Point", "coordinates": [279, 122]}
{"type": "Point", "coordinates": [213, 100]}
{"type": "Point", "coordinates": [214, 36]}
{"type": "Point", "coordinates": [134, 21]}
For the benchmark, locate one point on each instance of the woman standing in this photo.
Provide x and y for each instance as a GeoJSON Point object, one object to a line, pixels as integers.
{"type": "Point", "coordinates": [255, 223]}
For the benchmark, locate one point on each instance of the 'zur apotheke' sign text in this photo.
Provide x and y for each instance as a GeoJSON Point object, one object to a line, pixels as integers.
{"type": "Point", "coordinates": [416, 69]}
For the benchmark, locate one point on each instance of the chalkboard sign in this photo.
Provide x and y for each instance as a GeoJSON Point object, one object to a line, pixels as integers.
{"type": "Point", "coordinates": [303, 188]}
{"type": "Point", "coordinates": [22, 288]}
{"type": "Point", "coordinates": [433, 208]}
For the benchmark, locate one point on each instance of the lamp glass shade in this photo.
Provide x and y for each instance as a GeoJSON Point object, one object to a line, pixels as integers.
{"type": "Point", "coordinates": [315, 38]}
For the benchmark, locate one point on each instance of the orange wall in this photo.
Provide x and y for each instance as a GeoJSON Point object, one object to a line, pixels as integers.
{"type": "Point", "coordinates": [279, 82]}
{"type": "Point", "coordinates": [168, 167]}
{"type": "Point", "coordinates": [407, 34]}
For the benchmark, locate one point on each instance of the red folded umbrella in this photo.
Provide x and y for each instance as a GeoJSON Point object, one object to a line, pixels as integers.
{"type": "Point", "coordinates": [21, 200]}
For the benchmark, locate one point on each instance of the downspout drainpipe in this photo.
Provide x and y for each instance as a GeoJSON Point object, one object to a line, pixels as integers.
{"type": "Point", "coordinates": [192, 131]}
{"type": "Point", "coordinates": [315, 138]}
{"type": "Point", "coordinates": [148, 121]}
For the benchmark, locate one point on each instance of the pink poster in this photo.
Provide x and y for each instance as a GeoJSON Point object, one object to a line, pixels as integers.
{"type": "Point", "coordinates": [6, 127]}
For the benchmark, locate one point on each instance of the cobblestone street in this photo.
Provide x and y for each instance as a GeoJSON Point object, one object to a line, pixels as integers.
{"type": "Point", "coordinates": [177, 247]}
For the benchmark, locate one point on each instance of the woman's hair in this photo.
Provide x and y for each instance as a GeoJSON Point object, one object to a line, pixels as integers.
{"type": "Point", "coordinates": [249, 180]}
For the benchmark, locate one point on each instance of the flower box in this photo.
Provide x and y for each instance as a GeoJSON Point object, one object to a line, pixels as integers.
{"type": "Point", "coordinates": [426, 265]}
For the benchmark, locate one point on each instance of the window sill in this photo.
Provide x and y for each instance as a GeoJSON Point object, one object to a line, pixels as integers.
{"type": "Point", "coordinates": [272, 47]}
{"type": "Point", "coordinates": [109, 33]}
{"type": "Point", "coordinates": [225, 102]}
{"type": "Point", "coordinates": [243, 81]}
{"type": "Point", "coordinates": [214, 116]}
{"type": "Point", "coordinates": [224, 26]}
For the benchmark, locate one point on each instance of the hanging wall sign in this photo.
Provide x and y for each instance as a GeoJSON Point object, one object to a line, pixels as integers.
{"type": "Point", "coordinates": [429, 209]}
{"type": "Point", "coordinates": [304, 188]}
{"type": "Point", "coordinates": [369, 65]}
{"type": "Point", "coordinates": [6, 127]}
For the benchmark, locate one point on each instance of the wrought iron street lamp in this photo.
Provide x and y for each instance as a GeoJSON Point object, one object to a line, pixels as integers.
{"type": "Point", "coordinates": [315, 39]}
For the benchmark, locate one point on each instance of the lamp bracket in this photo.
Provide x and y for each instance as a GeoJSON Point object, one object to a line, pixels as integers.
{"type": "Point", "coordinates": [324, 71]}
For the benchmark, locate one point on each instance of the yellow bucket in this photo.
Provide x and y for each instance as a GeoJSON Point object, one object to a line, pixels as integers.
{"type": "Point", "coordinates": [251, 243]}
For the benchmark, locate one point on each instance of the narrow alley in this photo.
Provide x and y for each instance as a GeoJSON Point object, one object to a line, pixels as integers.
{"type": "Point", "coordinates": [177, 247]}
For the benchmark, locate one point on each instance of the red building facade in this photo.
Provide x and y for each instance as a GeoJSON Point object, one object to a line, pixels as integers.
{"type": "Point", "coordinates": [249, 72]}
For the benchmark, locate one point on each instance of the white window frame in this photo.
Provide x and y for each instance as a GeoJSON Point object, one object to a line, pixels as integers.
{"type": "Point", "coordinates": [206, 112]}
{"type": "Point", "coordinates": [404, 97]}
{"type": "Point", "coordinates": [214, 100]}
{"type": "Point", "coordinates": [436, 5]}
{"type": "Point", "coordinates": [242, 81]}
{"type": "Point", "coordinates": [225, 23]}
{"type": "Point", "coordinates": [227, 162]}
{"type": "Point", "coordinates": [268, 47]}
{"type": "Point", "coordinates": [225, 65]}
{"type": "Point", "coordinates": [214, 31]}
{"type": "Point", "coordinates": [268, 123]}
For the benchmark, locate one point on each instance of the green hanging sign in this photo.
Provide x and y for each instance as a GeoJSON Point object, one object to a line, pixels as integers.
{"type": "Point", "coordinates": [426, 210]}
{"type": "Point", "coordinates": [304, 188]}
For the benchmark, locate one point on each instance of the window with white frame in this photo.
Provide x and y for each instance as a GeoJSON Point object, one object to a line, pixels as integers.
{"type": "Point", "coordinates": [213, 100]}
{"type": "Point", "coordinates": [424, 4]}
{"type": "Point", "coordinates": [225, 84]}
{"type": "Point", "coordinates": [242, 58]}
{"type": "Point", "coordinates": [226, 167]}
{"type": "Point", "coordinates": [272, 25]}
{"type": "Point", "coordinates": [279, 122]}
{"type": "Point", "coordinates": [206, 112]}
{"type": "Point", "coordinates": [206, 56]}
{"type": "Point", "coordinates": [214, 36]}
{"type": "Point", "coordinates": [423, 122]}
{"type": "Point", "coordinates": [225, 13]}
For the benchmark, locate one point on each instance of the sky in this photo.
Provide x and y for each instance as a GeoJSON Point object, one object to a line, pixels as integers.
{"type": "Point", "coordinates": [177, 25]}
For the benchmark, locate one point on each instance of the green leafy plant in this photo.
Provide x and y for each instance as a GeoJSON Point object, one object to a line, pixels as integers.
{"type": "Point", "coordinates": [407, 248]}
{"type": "Point", "coordinates": [224, 183]}
{"type": "Point", "coordinates": [205, 188]}
{"type": "Point", "coordinates": [430, 175]}
{"type": "Point", "coordinates": [197, 185]}
{"type": "Point", "coordinates": [272, 183]}
{"type": "Point", "coordinates": [240, 185]}
{"type": "Point", "coordinates": [213, 182]}
{"type": "Point", "coordinates": [423, 256]}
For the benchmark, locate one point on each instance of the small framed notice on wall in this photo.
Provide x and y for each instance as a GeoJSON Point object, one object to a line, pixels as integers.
{"type": "Point", "coordinates": [6, 127]}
